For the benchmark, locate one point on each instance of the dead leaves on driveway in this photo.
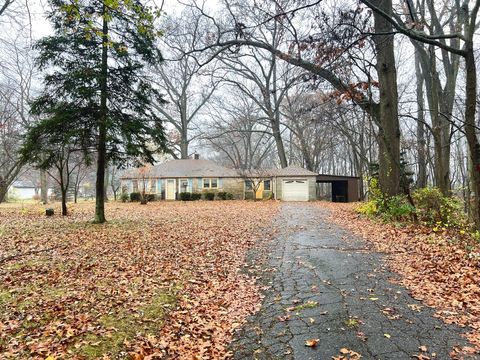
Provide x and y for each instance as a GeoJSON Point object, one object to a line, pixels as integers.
{"type": "Point", "coordinates": [437, 268]}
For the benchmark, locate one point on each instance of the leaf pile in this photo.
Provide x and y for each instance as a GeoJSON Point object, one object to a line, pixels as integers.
{"type": "Point", "coordinates": [160, 279]}
{"type": "Point", "coordinates": [438, 268]}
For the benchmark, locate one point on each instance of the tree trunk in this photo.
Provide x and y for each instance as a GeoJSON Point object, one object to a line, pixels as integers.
{"type": "Point", "coordinates": [102, 128]}
{"type": "Point", "coordinates": [43, 187]}
{"type": "Point", "coordinates": [3, 191]}
{"type": "Point", "coordinates": [470, 129]}
{"type": "Point", "coordinates": [184, 146]}
{"type": "Point", "coordinates": [421, 142]}
{"type": "Point", "coordinates": [389, 129]}
{"type": "Point", "coordinates": [64, 201]}
{"type": "Point", "coordinates": [107, 181]}
{"type": "Point", "coordinates": [279, 143]}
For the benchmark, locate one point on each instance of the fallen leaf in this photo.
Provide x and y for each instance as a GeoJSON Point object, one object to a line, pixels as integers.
{"type": "Point", "coordinates": [311, 342]}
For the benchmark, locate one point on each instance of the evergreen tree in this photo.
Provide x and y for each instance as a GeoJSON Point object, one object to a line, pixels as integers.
{"type": "Point", "coordinates": [95, 89]}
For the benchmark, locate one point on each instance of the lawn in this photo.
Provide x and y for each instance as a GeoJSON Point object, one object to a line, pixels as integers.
{"type": "Point", "coordinates": [162, 278]}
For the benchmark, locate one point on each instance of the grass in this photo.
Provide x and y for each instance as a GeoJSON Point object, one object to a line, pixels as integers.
{"type": "Point", "coordinates": [79, 289]}
{"type": "Point", "coordinates": [122, 326]}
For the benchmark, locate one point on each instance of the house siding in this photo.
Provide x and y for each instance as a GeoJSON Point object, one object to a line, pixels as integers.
{"type": "Point", "coordinates": [234, 186]}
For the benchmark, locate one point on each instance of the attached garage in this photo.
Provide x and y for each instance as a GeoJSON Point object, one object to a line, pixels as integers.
{"type": "Point", "coordinates": [295, 190]}
{"type": "Point", "coordinates": [294, 184]}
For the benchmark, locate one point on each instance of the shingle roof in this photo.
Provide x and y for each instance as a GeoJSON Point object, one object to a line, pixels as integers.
{"type": "Point", "coordinates": [186, 168]}
{"type": "Point", "coordinates": [292, 171]}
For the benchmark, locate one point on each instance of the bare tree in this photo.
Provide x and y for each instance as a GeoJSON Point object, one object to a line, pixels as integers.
{"type": "Point", "coordinates": [16, 77]}
{"type": "Point", "coordinates": [115, 182]}
{"type": "Point", "coordinates": [187, 85]}
{"type": "Point", "coordinates": [237, 133]}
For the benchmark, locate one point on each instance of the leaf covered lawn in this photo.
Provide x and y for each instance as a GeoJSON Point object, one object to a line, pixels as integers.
{"type": "Point", "coordinates": [161, 280]}
{"type": "Point", "coordinates": [441, 269]}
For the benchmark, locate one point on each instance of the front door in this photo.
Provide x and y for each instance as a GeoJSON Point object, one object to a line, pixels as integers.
{"type": "Point", "coordinates": [259, 193]}
{"type": "Point", "coordinates": [170, 189]}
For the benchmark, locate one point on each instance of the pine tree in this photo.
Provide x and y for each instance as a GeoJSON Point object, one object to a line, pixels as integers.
{"type": "Point", "coordinates": [96, 91]}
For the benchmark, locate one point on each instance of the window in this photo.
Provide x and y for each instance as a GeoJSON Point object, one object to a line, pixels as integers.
{"type": "Point", "coordinates": [210, 183]}
{"type": "Point", "coordinates": [248, 185]}
{"type": "Point", "coordinates": [153, 188]}
{"type": "Point", "coordinates": [134, 185]}
{"type": "Point", "coordinates": [184, 185]}
{"type": "Point", "coordinates": [266, 185]}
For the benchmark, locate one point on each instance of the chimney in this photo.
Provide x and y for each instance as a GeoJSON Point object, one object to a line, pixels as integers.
{"type": "Point", "coordinates": [196, 156]}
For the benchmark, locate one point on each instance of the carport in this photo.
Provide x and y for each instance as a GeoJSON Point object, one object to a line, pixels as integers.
{"type": "Point", "coordinates": [344, 188]}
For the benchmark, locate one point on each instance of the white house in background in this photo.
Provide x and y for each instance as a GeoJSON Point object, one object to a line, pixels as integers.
{"type": "Point", "coordinates": [24, 190]}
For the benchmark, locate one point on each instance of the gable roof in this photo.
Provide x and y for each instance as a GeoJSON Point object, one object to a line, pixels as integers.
{"type": "Point", "coordinates": [191, 168]}
{"type": "Point", "coordinates": [186, 168]}
{"type": "Point", "coordinates": [292, 171]}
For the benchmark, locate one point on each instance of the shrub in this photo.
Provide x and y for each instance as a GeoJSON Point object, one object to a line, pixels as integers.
{"type": "Point", "coordinates": [230, 196]}
{"type": "Point", "coordinates": [368, 208]}
{"type": "Point", "coordinates": [434, 208]}
{"type": "Point", "coordinates": [124, 197]}
{"type": "Point", "coordinates": [396, 208]}
{"type": "Point", "coordinates": [222, 195]}
{"type": "Point", "coordinates": [150, 197]}
{"type": "Point", "coordinates": [209, 196]}
{"type": "Point", "coordinates": [185, 196]}
{"type": "Point", "coordinates": [135, 196]}
{"type": "Point", "coordinates": [196, 196]}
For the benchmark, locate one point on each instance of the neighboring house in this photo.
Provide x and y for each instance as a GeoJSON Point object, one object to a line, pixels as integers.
{"type": "Point", "coordinates": [23, 190]}
{"type": "Point", "coordinates": [169, 179]}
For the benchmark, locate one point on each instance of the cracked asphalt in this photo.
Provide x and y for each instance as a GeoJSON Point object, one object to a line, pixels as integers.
{"type": "Point", "coordinates": [324, 283]}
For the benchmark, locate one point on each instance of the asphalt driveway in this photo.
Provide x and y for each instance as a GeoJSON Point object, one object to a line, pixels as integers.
{"type": "Point", "coordinates": [326, 284]}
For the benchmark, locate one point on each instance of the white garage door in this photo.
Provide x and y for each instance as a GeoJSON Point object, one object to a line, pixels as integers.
{"type": "Point", "coordinates": [295, 190]}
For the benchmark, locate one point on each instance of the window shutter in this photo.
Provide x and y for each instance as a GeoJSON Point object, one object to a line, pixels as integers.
{"type": "Point", "coordinates": [220, 183]}
{"type": "Point", "coordinates": [190, 185]}
{"type": "Point", "coordinates": [159, 185]}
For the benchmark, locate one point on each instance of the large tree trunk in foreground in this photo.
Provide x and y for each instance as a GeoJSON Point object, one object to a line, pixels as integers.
{"type": "Point", "coordinates": [102, 129]}
{"type": "Point", "coordinates": [389, 128]}
{"type": "Point", "coordinates": [470, 129]}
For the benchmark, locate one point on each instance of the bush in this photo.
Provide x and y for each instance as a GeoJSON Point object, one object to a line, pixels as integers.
{"type": "Point", "coordinates": [124, 197]}
{"type": "Point", "coordinates": [196, 196]}
{"type": "Point", "coordinates": [209, 196]}
{"type": "Point", "coordinates": [185, 196]}
{"type": "Point", "coordinates": [223, 195]}
{"type": "Point", "coordinates": [396, 208]}
{"type": "Point", "coordinates": [135, 196]}
{"type": "Point", "coordinates": [433, 208]}
{"type": "Point", "coordinates": [368, 208]}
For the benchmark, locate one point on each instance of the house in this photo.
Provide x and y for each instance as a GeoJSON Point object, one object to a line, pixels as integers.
{"type": "Point", "coordinates": [23, 190]}
{"type": "Point", "coordinates": [196, 175]}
